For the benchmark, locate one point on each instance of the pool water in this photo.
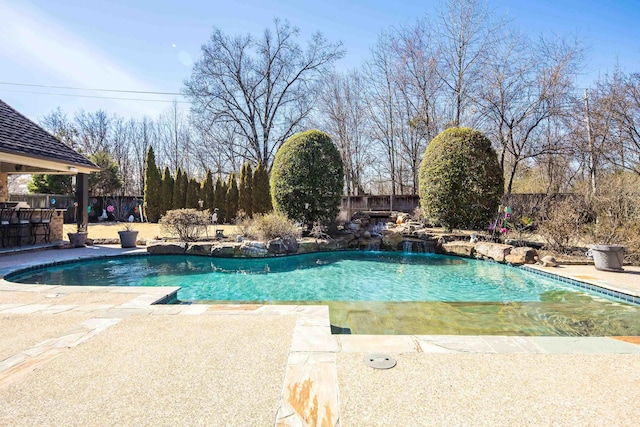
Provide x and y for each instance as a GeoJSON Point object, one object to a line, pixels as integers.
{"type": "Point", "coordinates": [373, 292]}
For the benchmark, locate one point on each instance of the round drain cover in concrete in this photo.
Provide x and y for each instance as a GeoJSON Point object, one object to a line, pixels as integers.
{"type": "Point", "coordinates": [380, 361]}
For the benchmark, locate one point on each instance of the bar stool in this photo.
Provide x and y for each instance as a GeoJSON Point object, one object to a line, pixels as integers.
{"type": "Point", "coordinates": [43, 222]}
{"type": "Point", "coordinates": [5, 221]}
{"type": "Point", "coordinates": [21, 223]}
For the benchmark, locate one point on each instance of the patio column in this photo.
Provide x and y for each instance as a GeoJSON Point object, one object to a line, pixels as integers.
{"type": "Point", "coordinates": [82, 197]}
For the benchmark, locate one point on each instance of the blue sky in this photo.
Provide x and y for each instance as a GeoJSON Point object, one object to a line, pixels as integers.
{"type": "Point", "coordinates": [149, 45]}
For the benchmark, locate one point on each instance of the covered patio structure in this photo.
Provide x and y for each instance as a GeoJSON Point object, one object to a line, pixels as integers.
{"type": "Point", "coordinates": [26, 148]}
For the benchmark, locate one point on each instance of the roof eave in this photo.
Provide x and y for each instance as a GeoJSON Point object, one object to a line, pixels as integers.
{"type": "Point", "coordinates": [46, 165]}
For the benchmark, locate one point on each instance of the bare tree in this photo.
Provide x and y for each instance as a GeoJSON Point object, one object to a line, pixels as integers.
{"type": "Point", "coordinates": [121, 150]}
{"type": "Point", "coordinates": [61, 127]}
{"type": "Point", "coordinates": [265, 86]}
{"type": "Point", "coordinates": [466, 33]}
{"type": "Point", "coordinates": [380, 73]}
{"type": "Point", "coordinates": [418, 88]}
{"type": "Point", "coordinates": [93, 131]}
{"type": "Point", "coordinates": [616, 120]}
{"type": "Point", "coordinates": [343, 115]}
{"type": "Point", "coordinates": [145, 136]}
{"type": "Point", "coordinates": [173, 140]}
{"type": "Point", "coordinates": [526, 90]}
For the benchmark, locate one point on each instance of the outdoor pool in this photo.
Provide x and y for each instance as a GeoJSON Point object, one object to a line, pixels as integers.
{"type": "Point", "coordinates": [372, 292]}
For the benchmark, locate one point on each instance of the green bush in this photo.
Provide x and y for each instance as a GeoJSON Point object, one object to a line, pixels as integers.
{"type": "Point", "coordinates": [187, 224]}
{"type": "Point", "coordinates": [272, 226]}
{"type": "Point", "coordinates": [461, 182]}
{"type": "Point", "coordinates": [307, 178]}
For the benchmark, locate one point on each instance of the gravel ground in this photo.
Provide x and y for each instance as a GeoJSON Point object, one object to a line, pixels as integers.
{"type": "Point", "coordinates": [23, 331]}
{"type": "Point", "coordinates": [491, 389]}
{"type": "Point", "coordinates": [160, 370]}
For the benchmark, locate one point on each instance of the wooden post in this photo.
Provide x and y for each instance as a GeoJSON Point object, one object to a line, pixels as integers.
{"type": "Point", "coordinates": [82, 198]}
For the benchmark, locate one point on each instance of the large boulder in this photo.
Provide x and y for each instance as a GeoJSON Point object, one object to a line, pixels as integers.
{"type": "Point", "coordinates": [329, 245]}
{"type": "Point", "coordinates": [522, 255]}
{"type": "Point", "coordinates": [458, 247]}
{"type": "Point", "coordinates": [291, 244]}
{"type": "Point", "coordinates": [307, 246]}
{"type": "Point", "coordinates": [224, 250]}
{"type": "Point", "coordinates": [391, 240]}
{"type": "Point", "coordinates": [167, 248]}
{"type": "Point", "coordinates": [494, 251]}
{"type": "Point", "coordinates": [276, 246]}
{"type": "Point", "coordinates": [253, 249]}
{"type": "Point", "coordinates": [199, 248]}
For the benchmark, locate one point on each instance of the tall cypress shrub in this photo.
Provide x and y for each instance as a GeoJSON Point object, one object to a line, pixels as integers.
{"type": "Point", "coordinates": [245, 199]}
{"type": "Point", "coordinates": [192, 194]}
{"type": "Point", "coordinates": [220, 199]}
{"type": "Point", "coordinates": [232, 197]}
{"type": "Point", "coordinates": [184, 186]}
{"type": "Point", "coordinates": [152, 188]}
{"type": "Point", "coordinates": [206, 192]}
{"type": "Point", "coordinates": [261, 192]}
{"type": "Point", "coordinates": [175, 199]}
{"type": "Point", "coordinates": [167, 191]}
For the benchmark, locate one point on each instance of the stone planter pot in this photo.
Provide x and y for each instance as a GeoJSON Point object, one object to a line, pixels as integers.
{"type": "Point", "coordinates": [128, 238]}
{"type": "Point", "coordinates": [607, 257]}
{"type": "Point", "coordinates": [78, 240]}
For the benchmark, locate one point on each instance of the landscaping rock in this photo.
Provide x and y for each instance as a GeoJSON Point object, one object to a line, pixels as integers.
{"type": "Point", "coordinates": [494, 251]}
{"type": "Point", "coordinates": [291, 244]}
{"type": "Point", "coordinates": [330, 245]}
{"type": "Point", "coordinates": [224, 250]}
{"type": "Point", "coordinates": [548, 261]}
{"type": "Point", "coordinates": [167, 248]}
{"type": "Point", "coordinates": [391, 240]}
{"type": "Point", "coordinates": [276, 246]}
{"type": "Point", "coordinates": [199, 248]}
{"type": "Point", "coordinates": [253, 249]}
{"type": "Point", "coordinates": [307, 246]}
{"type": "Point", "coordinates": [458, 247]}
{"type": "Point", "coordinates": [522, 255]}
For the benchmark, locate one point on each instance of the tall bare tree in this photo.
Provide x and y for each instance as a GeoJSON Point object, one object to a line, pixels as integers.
{"type": "Point", "coordinates": [466, 32]}
{"type": "Point", "coordinates": [121, 150]}
{"type": "Point", "coordinates": [380, 73]}
{"type": "Point", "coordinates": [173, 137]}
{"type": "Point", "coordinates": [264, 86]}
{"type": "Point", "coordinates": [93, 131]}
{"type": "Point", "coordinates": [343, 115]}
{"type": "Point", "coordinates": [145, 137]}
{"type": "Point", "coordinates": [526, 90]}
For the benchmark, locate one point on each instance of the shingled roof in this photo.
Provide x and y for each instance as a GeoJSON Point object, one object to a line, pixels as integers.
{"type": "Point", "coordinates": [20, 136]}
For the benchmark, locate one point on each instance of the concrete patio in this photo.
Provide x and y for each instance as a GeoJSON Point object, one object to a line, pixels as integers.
{"type": "Point", "coordinates": [105, 356]}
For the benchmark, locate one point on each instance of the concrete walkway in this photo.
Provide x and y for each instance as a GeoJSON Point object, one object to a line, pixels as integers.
{"type": "Point", "coordinates": [107, 356]}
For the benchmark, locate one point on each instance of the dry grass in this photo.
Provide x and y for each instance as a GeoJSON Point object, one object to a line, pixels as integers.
{"type": "Point", "coordinates": [146, 231]}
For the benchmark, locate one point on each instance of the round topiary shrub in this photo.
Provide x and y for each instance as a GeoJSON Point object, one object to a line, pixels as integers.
{"type": "Point", "coordinates": [461, 181]}
{"type": "Point", "coordinates": [307, 178]}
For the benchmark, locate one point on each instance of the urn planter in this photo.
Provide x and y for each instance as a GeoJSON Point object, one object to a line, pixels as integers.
{"type": "Point", "coordinates": [607, 257]}
{"type": "Point", "coordinates": [78, 240]}
{"type": "Point", "coordinates": [128, 239]}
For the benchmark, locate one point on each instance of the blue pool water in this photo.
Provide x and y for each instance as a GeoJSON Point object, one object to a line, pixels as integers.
{"type": "Point", "coordinates": [372, 292]}
{"type": "Point", "coordinates": [337, 276]}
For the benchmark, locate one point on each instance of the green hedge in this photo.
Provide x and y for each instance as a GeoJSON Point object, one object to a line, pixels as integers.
{"type": "Point", "coordinates": [307, 178]}
{"type": "Point", "coordinates": [461, 181]}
